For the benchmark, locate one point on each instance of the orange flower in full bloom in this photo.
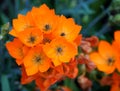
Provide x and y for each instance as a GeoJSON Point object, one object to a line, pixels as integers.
{"type": "Point", "coordinates": [46, 20]}
{"type": "Point", "coordinates": [36, 61]}
{"type": "Point", "coordinates": [31, 36]}
{"type": "Point", "coordinates": [17, 50]}
{"type": "Point", "coordinates": [60, 50]}
{"type": "Point", "coordinates": [67, 29]}
{"type": "Point", "coordinates": [106, 57]}
{"type": "Point", "coordinates": [22, 23]}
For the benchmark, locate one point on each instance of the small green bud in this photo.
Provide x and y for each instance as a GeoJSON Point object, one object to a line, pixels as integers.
{"type": "Point", "coordinates": [5, 29]}
{"type": "Point", "coordinates": [115, 5]}
{"type": "Point", "coordinates": [117, 18]}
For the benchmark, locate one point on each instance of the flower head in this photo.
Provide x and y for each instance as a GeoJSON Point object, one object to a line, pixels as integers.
{"type": "Point", "coordinates": [36, 61]}
{"type": "Point", "coordinates": [60, 50]}
{"type": "Point", "coordinates": [106, 57]}
{"type": "Point", "coordinates": [46, 20]}
{"type": "Point", "coordinates": [31, 36]}
{"type": "Point", "coordinates": [45, 46]}
{"type": "Point", "coordinates": [67, 29]}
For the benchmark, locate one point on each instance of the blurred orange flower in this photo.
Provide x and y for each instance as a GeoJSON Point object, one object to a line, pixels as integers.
{"type": "Point", "coordinates": [106, 57]}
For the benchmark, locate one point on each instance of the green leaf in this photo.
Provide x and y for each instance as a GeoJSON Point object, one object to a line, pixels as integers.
{"type": "Point", "coordinates": [71, 84]}
{"type": "Point", "coordinates": [5, 83]}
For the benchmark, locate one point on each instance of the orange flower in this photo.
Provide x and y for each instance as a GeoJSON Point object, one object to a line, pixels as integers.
{"type": "Point", "coordinates": [106, 57]}
{"type": "Point", "coordinates": [22, 23]}
{"type": "Point", "coordinates": [36, 61]}
{"type": "Point", "coordinates": [46, 20]}
{"type": "Point", "coordinates": [31, 36]}
{"type": "Point", "coordinates": [60, 50]}
{"type": "Point", "coordinates": [17, 50]}
{"type": "Point", "coordinates": [67, 29]}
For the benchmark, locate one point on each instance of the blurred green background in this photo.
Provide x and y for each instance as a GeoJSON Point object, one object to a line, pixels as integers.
{"type": "Point", "coordinates": [97, 17]}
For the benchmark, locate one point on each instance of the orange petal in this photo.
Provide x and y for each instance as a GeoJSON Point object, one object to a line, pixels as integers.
{"type": "Point", "coordinates": [26, 79]}
{"type": "Point", "coordinates": [117, 35]}
{"type": "Point", "coordinates": [15, 48]}
{"type": "Point", "coordinates": [39, 82]}
{"type": "Point", "coordinates": [106, 50]}
{"type": "Point", "coordinates": [31, 36]}
{"type": "Point", "coordinates": [19, 61]}
{"type": "Point", "coordinates": [31, 70]}
{"type": "Point", "coordinates": [13, 33]}
{"type": "Point", "coordinates": [44, 66]}
{"type": "Point", "coordinates": [78, 39]}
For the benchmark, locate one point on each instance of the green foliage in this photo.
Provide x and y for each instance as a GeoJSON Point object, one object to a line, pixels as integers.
{"type": "Point", "coordinates": [5, 83]}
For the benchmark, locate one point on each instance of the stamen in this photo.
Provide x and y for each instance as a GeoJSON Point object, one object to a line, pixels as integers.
{"type": "Point", "coordinates": [31, 39]}
{"type": "Point", "coordinates": [37, 58]}
{"type": "Point", "coordinates": [62, 34]}
{"type": "Point", "coordinates": [47, 27]}
{"type": "Point", "coordinates": [59, 49]}
{"type": "Point", "coordinates": [111, 61]}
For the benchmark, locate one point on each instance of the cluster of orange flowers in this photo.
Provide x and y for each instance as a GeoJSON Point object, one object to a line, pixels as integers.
{"type": "Point", "coordinates": [45, 46]}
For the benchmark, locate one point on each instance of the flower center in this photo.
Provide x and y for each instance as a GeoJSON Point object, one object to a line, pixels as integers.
{"type": "Point", "coordinates": [47, 27]}
{"type": "Point", "coordinates": [59, 50]}
{"type": "Point", "coordinates": [62, 34]}
{"type": "Point", "coordinates": [110, 61]}
{"type": "Point", "coordinates": [37, 58]}
{"type": "Point", "coordinates": [31, 39]}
